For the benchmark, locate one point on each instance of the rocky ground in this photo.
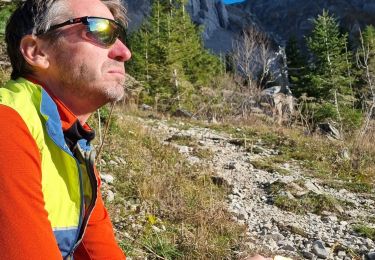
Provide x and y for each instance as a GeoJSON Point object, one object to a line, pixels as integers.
{"type": "Point", "coordinates": [327, 235]}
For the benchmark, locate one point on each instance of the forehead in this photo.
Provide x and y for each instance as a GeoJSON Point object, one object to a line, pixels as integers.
{"type": "Point", "coordinates": [89, 8]}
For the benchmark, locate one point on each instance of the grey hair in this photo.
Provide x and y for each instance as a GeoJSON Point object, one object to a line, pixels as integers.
{"type": "Point", "coordinates": [118, 11]}
{"type": "Point", "coordinates": [58, 12]}
{"type": "Point", "coordinates": [35, 17]}
{"type": "Point", "coordinates": [31, 17]}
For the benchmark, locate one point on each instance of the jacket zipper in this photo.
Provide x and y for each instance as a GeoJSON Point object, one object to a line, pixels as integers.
{"type": "Point", "coordinates": [89, 160]}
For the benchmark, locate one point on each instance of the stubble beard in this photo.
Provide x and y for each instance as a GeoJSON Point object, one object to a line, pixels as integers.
{"type": "Point", "coordinates": [85, 84]}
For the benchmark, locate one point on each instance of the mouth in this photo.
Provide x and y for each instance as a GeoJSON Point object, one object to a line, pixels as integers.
{"type": "Point", "coordinates": [117, 72]}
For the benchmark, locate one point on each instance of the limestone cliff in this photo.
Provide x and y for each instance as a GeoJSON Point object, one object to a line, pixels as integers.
{"type": "Point", "coordinates": [279, 18]}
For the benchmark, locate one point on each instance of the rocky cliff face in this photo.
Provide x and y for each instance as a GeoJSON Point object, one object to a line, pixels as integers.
{"type": "Point", "coordinates": [284, 18]}
{"type": "Point", "coordinates": [212, 14]}
{"type": "Point", "coordinates": [279, 18]}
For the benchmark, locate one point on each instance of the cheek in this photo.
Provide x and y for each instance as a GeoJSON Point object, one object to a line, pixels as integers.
{"type": "Point", "coordinates": [81, 60]}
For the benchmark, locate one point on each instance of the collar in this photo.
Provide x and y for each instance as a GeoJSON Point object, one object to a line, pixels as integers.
{"type": "Point", "coordinates": [72, 128]}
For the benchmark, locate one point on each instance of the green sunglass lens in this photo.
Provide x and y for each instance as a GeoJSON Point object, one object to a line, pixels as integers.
{"type": "Point", "coordinates": [103, 31]}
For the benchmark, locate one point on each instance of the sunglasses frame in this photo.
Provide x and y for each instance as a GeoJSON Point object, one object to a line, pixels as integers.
{"type": "Point", "coordinates": [120, 30]}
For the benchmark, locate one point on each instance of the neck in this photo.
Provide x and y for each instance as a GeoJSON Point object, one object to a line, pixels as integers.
{"type": "Point", "coordinates": [83, 118]}
{"type": "Point", "coordinates": [75, 106]}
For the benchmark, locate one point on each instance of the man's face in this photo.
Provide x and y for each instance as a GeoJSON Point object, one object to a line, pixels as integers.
{"type": "Point", "coordinates": [89, 74]}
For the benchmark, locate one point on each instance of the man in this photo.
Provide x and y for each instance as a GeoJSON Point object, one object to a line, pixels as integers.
{"type": "Point", "coordinates": [68, 60]}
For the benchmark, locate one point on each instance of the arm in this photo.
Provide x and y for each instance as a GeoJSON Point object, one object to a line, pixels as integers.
{"type": "Point", "coordinates": [99, 241]}
{"type": "Point", "coordinates": [25, 231]}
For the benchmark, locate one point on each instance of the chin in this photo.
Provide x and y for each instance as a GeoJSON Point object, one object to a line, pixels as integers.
{"type": "Point", "coordinates": [114, 95]}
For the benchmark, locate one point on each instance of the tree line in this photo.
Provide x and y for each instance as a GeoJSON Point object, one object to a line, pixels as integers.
{"type": "Point", "coordinates": [332, 76]}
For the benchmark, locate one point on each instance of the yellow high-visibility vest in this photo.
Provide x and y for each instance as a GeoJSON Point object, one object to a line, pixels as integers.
{"type": "Point", "coordinates": [68, 182]}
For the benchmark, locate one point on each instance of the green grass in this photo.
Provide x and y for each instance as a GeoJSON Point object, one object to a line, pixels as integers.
{"type": "Point", "coordinates": [161, 245]}
{"type": "Point", "coordinates": [304, 202]}
{"type": "Point", "coordinates": [182, 197]}
{"type": "Point", "coordinates": [358, 186]}
{"type": "Point", "coordinates": [365, 231]}
{"type": "Point", "coordinates": [268, 165]}
{"type": "Point", "coordinates": [311, 202]}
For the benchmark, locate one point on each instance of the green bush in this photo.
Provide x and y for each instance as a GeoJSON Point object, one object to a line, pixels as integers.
{"type": "Point", "coordinates": [325, 111]}
{"type": "Point", "coordinates": [5, 12]}
{"type": "Point", "coordinates": [352, 118]}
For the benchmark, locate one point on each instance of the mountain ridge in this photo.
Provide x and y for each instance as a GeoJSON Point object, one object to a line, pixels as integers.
{"type": "Point", "coordinates": [280, 19]}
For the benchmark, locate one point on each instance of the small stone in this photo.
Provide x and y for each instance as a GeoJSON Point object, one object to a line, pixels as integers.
{"type": "Point", "coordinates": [242, 216]}
{"type": "Point", "coordinates": [146, 107]}
{"type": "Point", "coordinates": [343, 223]}
{"type": "Point", "coordinates": [338, 208]}
{"type": "Point", "coordinates": [121, 160]}
{"type": "Point", "coordinates": [313, 187]}
{"type": "Point", "coordinates": [107, 178]}
{"type": "Point", "coordinates": [112, 162]}
{"type": "Point", "coordinates": [308, 255]}
{"type": "Point", "coordinates": [102, 162]}
{"type": "Point", "coordinates": [110, 196]}
{"type": "Point", "coordinates": [286, 245]}
{"type": "Point", "coordinates": [183, 149]}
{"type": "Point", "coordinates": [193, 160]}
{"type": "Point", "coordinates": [277, 237]}
{"type": "Point", "coordinates": [371, 255]}
{"type": "Point", "coordinates": [201, 143]}
{"type": "Point", "coordinates": [369, 242]}
{"type": "Point", "coordinates": [319, 249]}
{"type": "Point", "coordinates": [288, 248]}
{"type": "Point", "coordinates": [236, 192]}
{"type": "Point", "coordinates": [329, 217]}
{"type": "Point", "coordinates": [156, 229]}
{"type": "Point", "coordinates": [267, 225]}
{"type": "Point", "coordinates": [230, 166]}
{"type": "Point", "coordinates": [363, 248]}
{"type": "Point", "coordinates": [341, 254]}
{"type": "Point", "coordinates": [286, 165]}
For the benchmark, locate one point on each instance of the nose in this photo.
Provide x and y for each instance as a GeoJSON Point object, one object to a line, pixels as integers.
{"type": "Point", "coordinates": [119, 52]}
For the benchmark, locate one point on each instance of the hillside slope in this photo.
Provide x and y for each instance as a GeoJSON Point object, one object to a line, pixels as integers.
{"type": "Point", "coordinates": [276, 191]}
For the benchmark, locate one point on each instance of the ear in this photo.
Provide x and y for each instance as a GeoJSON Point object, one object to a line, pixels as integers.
{"type": "Point", "coordinates": [33, 52]}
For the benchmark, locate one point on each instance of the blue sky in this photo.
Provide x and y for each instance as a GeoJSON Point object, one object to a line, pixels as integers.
{"type": "Point", "coordinates": [232, 1]}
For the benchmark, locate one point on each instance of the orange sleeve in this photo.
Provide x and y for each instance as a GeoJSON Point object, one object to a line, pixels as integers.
{"type": "Point", "coordinates": [99, 241]}
{"type": "Point", "coordinates": [25, 231]}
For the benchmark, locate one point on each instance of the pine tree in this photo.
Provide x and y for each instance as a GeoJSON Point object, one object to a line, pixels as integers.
{"type": "Point", "coordinates": [330, 78]}
{"type": "Point", "coordinates": [168, 55]}
{"type": "Point", "coordinates": [328, 48]}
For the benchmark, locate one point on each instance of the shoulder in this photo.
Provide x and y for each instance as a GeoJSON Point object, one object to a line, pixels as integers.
{"type": "Point", "coordinates": [17, 143]}
{"type": "Point", "coordinates": [20, 100]}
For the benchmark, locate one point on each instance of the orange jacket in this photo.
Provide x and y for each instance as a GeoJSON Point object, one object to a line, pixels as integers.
{"type": "Point", "coordinates": [26, 232]}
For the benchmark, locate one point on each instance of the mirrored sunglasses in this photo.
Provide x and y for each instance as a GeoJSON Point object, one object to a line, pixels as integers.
{"type": "Point", "coordinates": [101, 30]}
